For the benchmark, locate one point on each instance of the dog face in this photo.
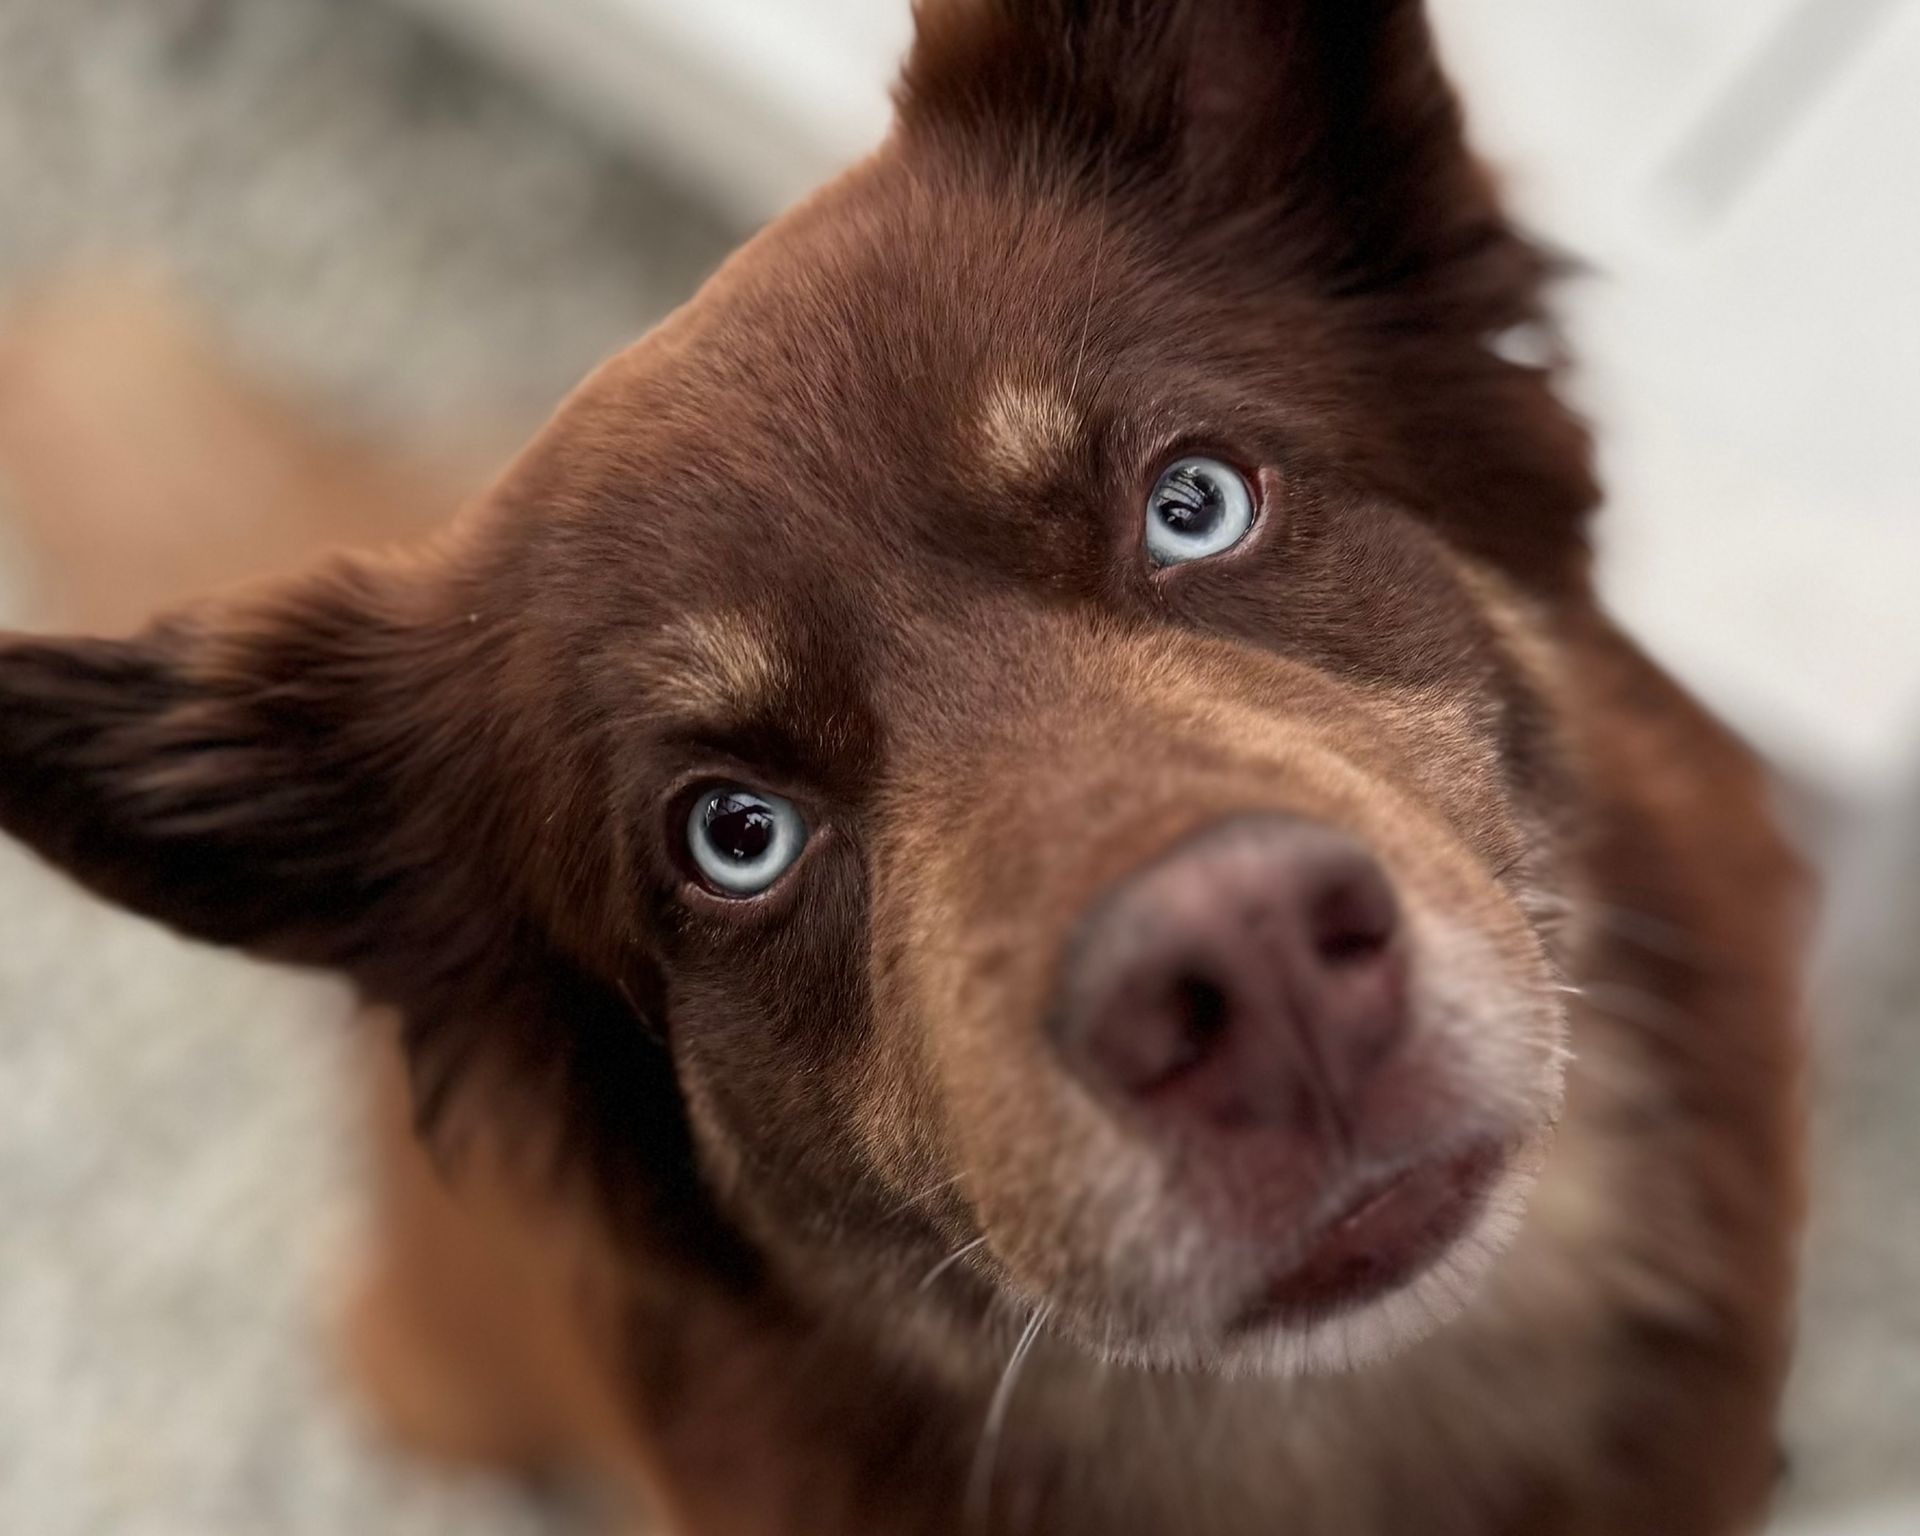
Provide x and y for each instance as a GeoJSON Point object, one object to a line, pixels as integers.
{"type": "Point", "coordinates": [995, 758]}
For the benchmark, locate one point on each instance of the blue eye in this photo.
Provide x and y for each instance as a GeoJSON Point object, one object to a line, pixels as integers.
{"type": "Point", "coordinates": [742, 840]}
{"type": "Point", "coordinates": [1199, 507]}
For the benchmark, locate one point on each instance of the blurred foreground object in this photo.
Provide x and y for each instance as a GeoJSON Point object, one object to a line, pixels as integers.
{"type": "Point", "coordinates": [176, 1173]}
{"type": "Point", "coordinates": [142, 470]}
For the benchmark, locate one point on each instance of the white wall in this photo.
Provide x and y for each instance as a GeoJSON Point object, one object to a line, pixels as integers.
{"type": "Point", "coordinates": [1745, 174]}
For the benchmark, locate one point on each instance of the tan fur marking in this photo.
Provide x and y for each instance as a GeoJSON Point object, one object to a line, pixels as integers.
{"type": "Point", "coordinates": [717, 663]}
{"type": "Point", "coordinates": [1025, 429]}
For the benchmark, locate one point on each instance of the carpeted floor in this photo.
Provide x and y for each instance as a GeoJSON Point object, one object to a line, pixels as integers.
{"type": "Point", "coordinates": [399, 235]}
{"type": "Point", "coordinates": [1854, 1421]}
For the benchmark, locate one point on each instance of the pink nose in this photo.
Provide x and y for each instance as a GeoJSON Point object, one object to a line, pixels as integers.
{"type": "Point", "coordinates": [1250, 979]}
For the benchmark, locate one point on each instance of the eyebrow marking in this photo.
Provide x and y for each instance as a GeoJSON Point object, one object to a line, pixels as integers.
{"type": "Point", "coordinates": [721, 662]}
{"type": "Point", "coordinates": [1024, 429]}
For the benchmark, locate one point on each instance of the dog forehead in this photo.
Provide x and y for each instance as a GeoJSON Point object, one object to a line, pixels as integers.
{"type": "Point", "coordinates": [884, 327]}
{"type": "Point", "coordinates": [886, 407]}
{"type": "Point", "coordinates": [834, 391]}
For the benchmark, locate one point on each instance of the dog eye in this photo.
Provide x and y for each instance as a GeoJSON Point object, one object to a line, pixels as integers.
{"type": "Point", "coordinates": [742, 840]}
{"type": "Point", "coordinates": [1199, 507]}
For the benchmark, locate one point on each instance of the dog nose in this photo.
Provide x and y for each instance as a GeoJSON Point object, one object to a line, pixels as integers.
{"type": "Point", "coordinates": [1254, 976]}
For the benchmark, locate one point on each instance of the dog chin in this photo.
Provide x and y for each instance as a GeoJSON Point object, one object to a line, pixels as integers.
{"type": "Point", "coordinates": [1367, 1332]}
{"type": "Point", "coordinates": [1349, 1334]}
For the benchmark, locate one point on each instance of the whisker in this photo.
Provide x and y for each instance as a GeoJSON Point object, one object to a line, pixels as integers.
{"type": "Point", "coordinates": [914, 1199]}
{"type": "Point", "coordinates": [1658, 936]}
{"type": "Point", "coordinates": [1633, 1005]}
{"type": "Point", "coordinates": [979, 1499]}
{"type": "Point", "coordinates": [948, 1262]}
{"type": "Point", "coordinates": [1093, 283]}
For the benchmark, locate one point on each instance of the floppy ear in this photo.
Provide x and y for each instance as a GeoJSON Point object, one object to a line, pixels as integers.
{"type": "Point", "coordinates": [288, 776]}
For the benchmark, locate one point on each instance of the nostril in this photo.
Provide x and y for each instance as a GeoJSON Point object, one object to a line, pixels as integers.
{"type": "Point", "coordinates": [1359, 1010]}
{"type": "Point", "coordinates": [1156, 1046]}
{"type": "Point", "coordinates": [1354, 919]}
{"type": "Point", "coordinates": [1200, 1006]}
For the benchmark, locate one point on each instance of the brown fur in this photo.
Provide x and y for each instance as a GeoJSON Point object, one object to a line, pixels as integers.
{"type": "Point", "coordinates": [861, 526]}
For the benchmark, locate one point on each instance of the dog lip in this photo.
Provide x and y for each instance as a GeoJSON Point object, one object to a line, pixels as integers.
{"type": "Point", "coordinates": [1381, 1233]}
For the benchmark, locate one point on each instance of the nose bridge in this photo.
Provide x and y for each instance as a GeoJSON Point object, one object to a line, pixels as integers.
{"type": "Point", "coordinates": [1061, 746]}
{"type": "Point", "coordinates": [1025, 750]}
{"type": "Point", "coordinates": [1037, 759]}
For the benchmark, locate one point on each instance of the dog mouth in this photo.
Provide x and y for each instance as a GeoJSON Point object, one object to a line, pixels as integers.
{"type": "Point", "coordinates": [1379, 1234]}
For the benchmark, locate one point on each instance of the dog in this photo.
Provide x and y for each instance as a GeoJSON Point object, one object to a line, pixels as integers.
{"type": "Point", "coordinates": [1010, 883]}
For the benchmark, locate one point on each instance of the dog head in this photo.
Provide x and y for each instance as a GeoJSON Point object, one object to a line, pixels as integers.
{"type": "Point", "coordinates": [995, 758]}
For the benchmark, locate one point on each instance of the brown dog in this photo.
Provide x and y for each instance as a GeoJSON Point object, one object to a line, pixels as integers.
{"type": "Point", "coordinates": [1021, 887]}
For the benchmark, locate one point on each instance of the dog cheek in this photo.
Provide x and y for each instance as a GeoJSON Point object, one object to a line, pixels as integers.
{"type": "Point", "coordinates": [1493, 1030]}
{"type": "Point", "coordinates": [720, 1154]}
{"type": "Point", "coordinates": [898, 1115]}
{"type": "Point", "coordinates": [958, 1082]}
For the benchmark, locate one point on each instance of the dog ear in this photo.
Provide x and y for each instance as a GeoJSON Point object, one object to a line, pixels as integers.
{"type": "Point", "coordinates": [322, 776]}
{"type": "Point", "coordinates": [1332, 116]}
{"type": "Point", "coordinates": [290, 775]}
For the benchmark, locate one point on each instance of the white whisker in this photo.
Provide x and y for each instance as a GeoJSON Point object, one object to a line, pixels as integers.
{"type": "Point", "coordinates": [1093, 283]}
{"type": "Point", "coordinates": [1632, 1005]}
{"type": "Point", "coordinates": [948, 1262]}
{"type": "Point", "coordinates": [914, 1199]}
{"type": "Point", "coordinates": [979, 1498]}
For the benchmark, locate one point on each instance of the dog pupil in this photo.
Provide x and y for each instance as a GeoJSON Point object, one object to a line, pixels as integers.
{"type": "Point", "coordinates": [1190, 504]}
{"type": "Point", "coordinates": [739, 828]}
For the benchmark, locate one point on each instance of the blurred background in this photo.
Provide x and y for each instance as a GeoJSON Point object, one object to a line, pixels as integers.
{"type": "Point", "coordinates": [280, 272]}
